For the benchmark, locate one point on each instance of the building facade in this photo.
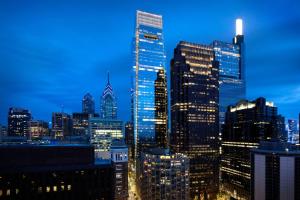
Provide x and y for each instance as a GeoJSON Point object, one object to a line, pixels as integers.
{"type": "Point", "coordinates": [108, 102]}
{"type": "Point", "coordinates": [53, 172]}
{"type": "Point", "coordinates": [80, 123]}
{"type": "Point", "coordinates": [61, 125]}
{"type": "Point", "coordinates": [246, 124]}
{"type": "Point", "coordinates": [161, 110]}
{"type": "Point", "coordinates": [88, 104]}
{"type": "Point", "coordinates": [18, 122]}
{"type": "Point", "coordinates": [292, 131]}
{"type": "Point", "coordinates": [102, 133]}
{"type": "Point", "coordinates": [119, 159]}
{"type": "Point", "coordinates": [163, 175]}
{"type": "Point", "coordinates": [194, 115]}
{"type": "Point", "coordinates": [129, 140]}
{"type": "Point", "coordinates": [275, 172]}
{"type": "Point", "coordinates": [38, 129]}
{"type": "Point", "coordinates": [149, 58]}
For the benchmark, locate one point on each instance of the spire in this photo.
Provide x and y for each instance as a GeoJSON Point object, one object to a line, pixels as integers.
{"type": "Point", "coordinates": [108, 83]}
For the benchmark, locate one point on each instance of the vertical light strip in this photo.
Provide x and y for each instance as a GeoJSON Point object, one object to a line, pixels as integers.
{"type": "Point", "coordinates": [239, 27]}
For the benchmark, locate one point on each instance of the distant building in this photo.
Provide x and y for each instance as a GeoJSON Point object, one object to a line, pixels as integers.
{"type": "Point", "coordinates": [61, 125]}
{"type": "Point", "coordinates": [195, 115]}
{"type": "Point", "coordinates": [275, 171]}
{"type": "Point", "coordinates": [149, 58]}
{"type": "Point", "coordinates": [81, 124]}
{"type": "Point", "coordinates": [119, 158]}
{"type": "Point", "coordinates": [163, 175]}
{"type": "Point", "coordinates": [292, 130]}
{"type": "Point", "coordinates": [88, 104]}
{"type": "Point", "coordinates": [129, 140]}
{"type": "Point", "coordinates": [102, 133]}
{"type": "Point", "coordinates": [18, 122]}
{"type": "Point", "coordinates": [108, 102]}
{"type": "Point", "coordinates": [38, 129]}
{"type": "Point", "coordinates": [53, 172]}
{"type": "Point", "coordinates": [161, 110]}
{"type": "Point", "coordinates": [3, 131]}
{"type": "Point", "coordinates": [246, 124]}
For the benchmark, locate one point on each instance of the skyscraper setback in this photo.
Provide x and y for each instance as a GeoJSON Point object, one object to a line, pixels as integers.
{"type": "Point", "coordinates": [149, 58]}
{"type": "Point", "coordinates": [194, 114]}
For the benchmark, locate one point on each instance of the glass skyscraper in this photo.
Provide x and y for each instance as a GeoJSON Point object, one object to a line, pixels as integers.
{"type": "Point", "coordinates": [88, 104]}
{"type": "Point", "coordinates": [231, 71]}
{"type": "Point", "coordinates": [149, 58]}
{"type": "Point", "coordinates": [108, 102]}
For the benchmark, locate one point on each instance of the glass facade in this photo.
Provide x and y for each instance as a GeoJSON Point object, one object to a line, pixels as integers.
{"type": "Point", "coordinates": [108, 102]}
{"type": "Point", "coordinates": [231, 78]}
{"type": "Point", "coordinates": [149, 57]}
{"type": "Point", "coordinates": [88, 104]}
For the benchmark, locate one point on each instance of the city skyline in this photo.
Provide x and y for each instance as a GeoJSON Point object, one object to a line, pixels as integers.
{"type": "Point", "coordinates": [42, 68]}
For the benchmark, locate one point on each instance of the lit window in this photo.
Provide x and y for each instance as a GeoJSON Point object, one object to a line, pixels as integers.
{"type": "Point", "coordinates": [55, 188]}
{"type": "Point", "coordinates": [40, 189]}
{"type": "Point", "coordinates": [69, 187]}
{"type": "Point", "coordinates": [8, 192]}
{"type": "Point", "coordinates": [47, 189]}
{"type": "Point", "coordinates": [1, 193]}
{"type": "Point", "coordinates": [62, 188]}
{"type": "Point", "coordinates": [17, 191]}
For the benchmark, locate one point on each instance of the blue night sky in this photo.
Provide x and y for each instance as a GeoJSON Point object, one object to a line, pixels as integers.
{"type": "Point", "coordinates": [53, 52]}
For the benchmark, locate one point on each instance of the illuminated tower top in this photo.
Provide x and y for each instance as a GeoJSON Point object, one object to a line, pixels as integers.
{"type": "Point", "coordinates": [239, 27]}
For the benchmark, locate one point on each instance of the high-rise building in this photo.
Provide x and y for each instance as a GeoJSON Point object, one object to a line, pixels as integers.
{"type": "Point", "coordinates": [275, 171]}
{"type": "Point", "coordinates": [129, 140]}
{"type": "Point", "coordinates": [194, 115]}
{"type": "Point", "coordinates": [108, 102]}
{"type": "Point", "coordinates": [292, 130]}
{"type": "Point", "coordinates": [163, 175]}
{"type": "Point", "coordinates": [246, 124]}
{"type": "Point", "coordinates": [3, 131]}
{"type": "Point", "coordinates": [161, 110]}
{"type": "Point", "coordinates": [38, 129]}
{"type": "Point", "coordinates": [102, 133]}
{"type": "Point", "coordinates": [18, 122]}
{"type": "Point", "coordinates": [61, 125]}
{"type": "Point", "coordinates": [88, 104]}
{"type": "Point", "coordinates": [149, 58]}
{"type": "Point", "coordinates": [119, 159]}
{"type": "Point", "coordinates": [81, 123]}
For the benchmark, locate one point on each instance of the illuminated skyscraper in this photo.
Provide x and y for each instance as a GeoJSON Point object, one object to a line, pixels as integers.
{"type": "Point", "coordinates": [88, 104]}
{"type": "Point", "coordinates": [292, 130]}
{"type": "Point", "coordinates": [108, 102]}
{"type": "Point", "coordinates": [246, 124]}
{"type": "Point", "coordinates": [161, 110]}
{"type": "Point", "coordinates": [61, 125]}
{"type": "Point", "coordinates": [194, 115]}
{"type": "Point", "coordinates": [149, 58]}
{"type": "Point", "coordinates": [231, 70]}
{"type": "Point", "coordinates": [18, 122]}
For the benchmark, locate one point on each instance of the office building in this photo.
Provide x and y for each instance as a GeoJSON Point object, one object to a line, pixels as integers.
{"type": "Point", "coordinates": [108, 102]}
{"type": "Point", "coordinates": [102, 133]}
{"type": "Point", "coordinates": [119, 160]}
{"type": "Point", "coordinates": [161, 110]}
{"type": "Point", "coordinates": [3, 131]}
{"type": "Point", "coordinates": [80, 123]}
{"type": "Point", "coordinates": [163, 175]}
{"type": "Point", "coordinates": [61, 125]}
{"type": "Point", "coordinates": [275, 171]}
{"type": "Point", "coordinates": [53, 172]}
{"type": "Point", "coordinates": [246, 124]}
{"type": "Point", "coordinates": [292, 130]}
{"type": "Point", "coordinates": [149, 58]}
{"type": "Point", "coordinates": [129, 140]}
{"type": "Point", "coordinates": [18, 122]}
{"type": "Point", "coordinates": [88, 104]}
{"type": "Point", "coordinates": [195, 115]}
{"type": "Point", "coordinates": [38, 129]}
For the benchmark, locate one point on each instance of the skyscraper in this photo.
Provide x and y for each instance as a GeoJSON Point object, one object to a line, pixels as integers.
{"type": "Point", "coordinates": [38, 129]}
{"type": "Point", "coordinates": [61, 125]}
{"type": "Point", "coordinates": [18, 122]}
{"type": "Point", "coordinates": [81, 123]}
{"type": "Point", "coordinates": [231, 70]}
{"type": "Point", "coordinates": [292, 130]}
{"type": "Point", "coordinates": [161, 110]}
{"type": "Point", "coordinates": [149, 57]}
{"type": "Point", "coordinates": [108, 102]}
{"type": "Point", "coordinates": [246, 124]}
{"type": "Point", "coordinates": [88, 104]}
{"type": "Point", "coordinates": [194, 115]}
